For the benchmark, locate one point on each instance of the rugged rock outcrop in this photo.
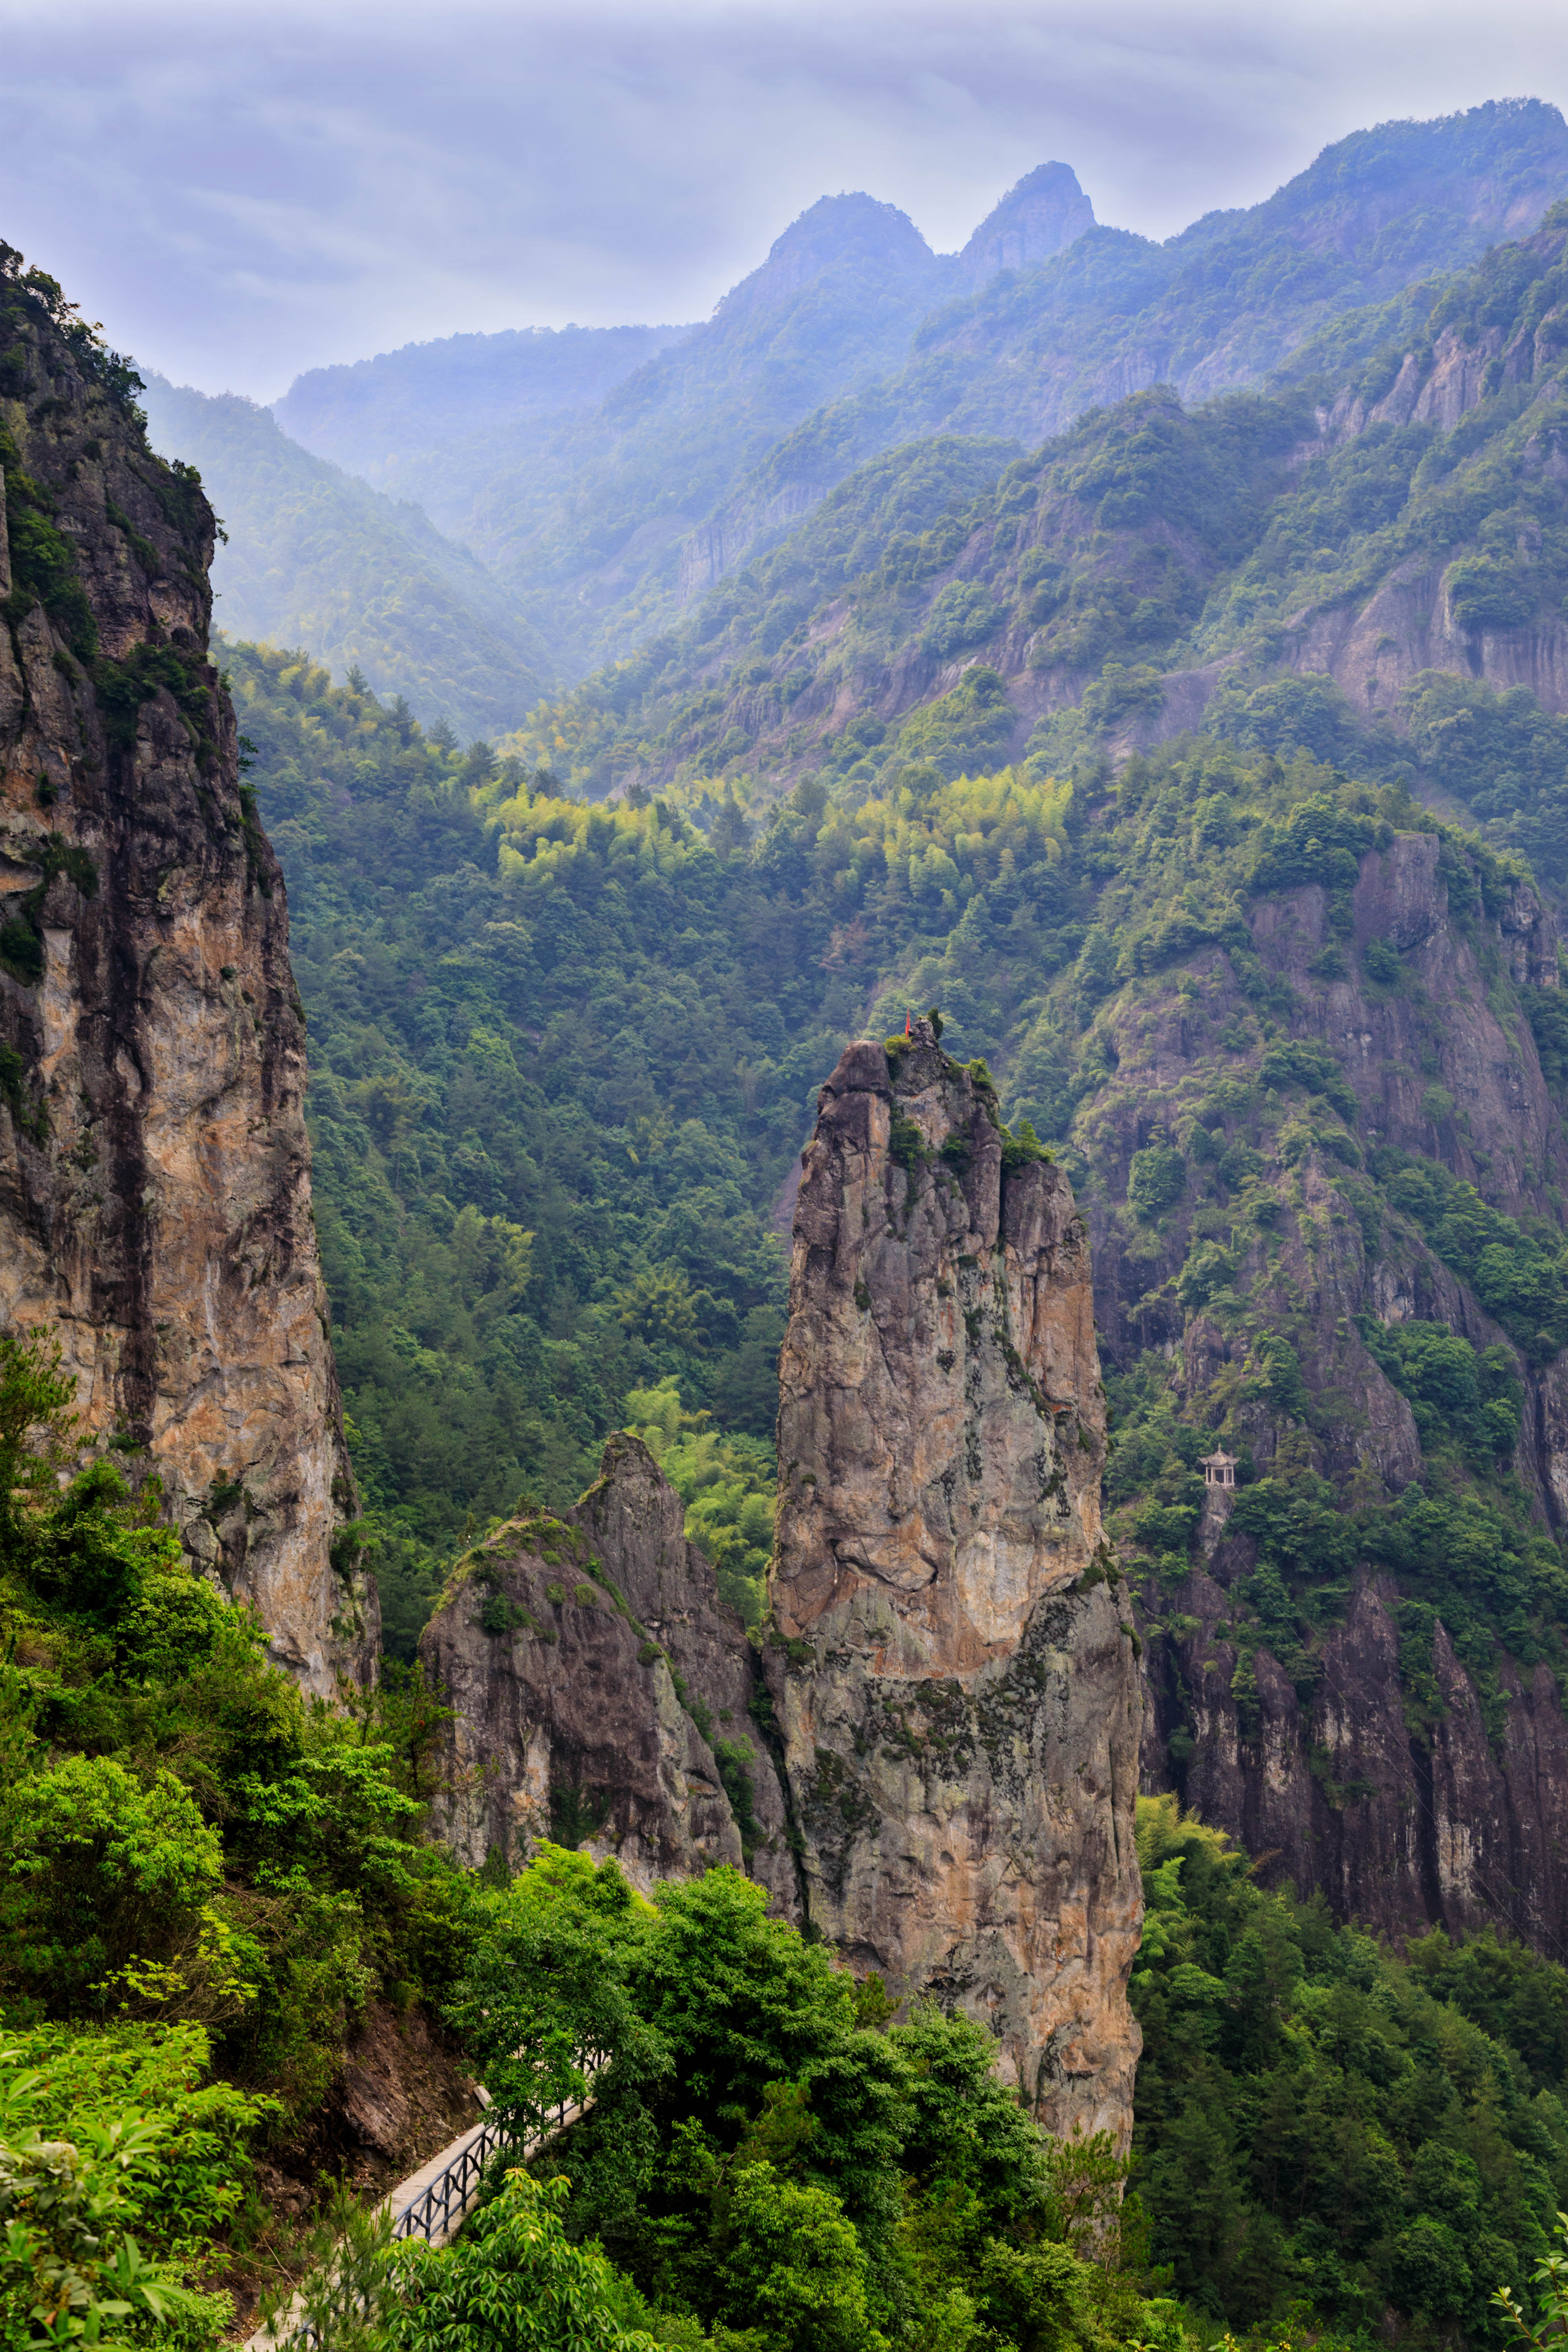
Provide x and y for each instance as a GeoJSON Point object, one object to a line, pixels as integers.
{"type": "Point", "coordinates": [1374, 646]}
{"type": "Point", "coordinates": [954, 1679]}
{"type": "Point", "coordinates": [1335, 1793]}
{"type": "Point", "coordinates": [604, 1695]}
{"type": "Point", "coordinates": [1324, 1768]}
{"type": "Point", "coordinates": [1041, 216]}
{"type": "Point", "coordinates": [154, 1169]}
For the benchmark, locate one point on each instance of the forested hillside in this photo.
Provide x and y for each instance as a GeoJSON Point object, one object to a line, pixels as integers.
{"type": "Point", "coordinates": [563, 1057]}
{"type": "Point", "coordinates": [550, 1116]}
{"type": "Point", "coordinates": [1282, 571]}
{"type": "Point", "coordinates": [366, 580]}
{"type": "Point", "coordinates": [853, 338]}
{"type": "Point", "coordinates": [503, 982]}
{"type": "Point", "coordinates": [606, 479]}
{"type": "Point", "coordinates": [1077, 745]}
{"type": "Point", "coordinates": [431, 422]}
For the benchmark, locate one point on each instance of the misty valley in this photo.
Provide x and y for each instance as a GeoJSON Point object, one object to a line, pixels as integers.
{"type": "Point", "coordinates": [784, 1305]}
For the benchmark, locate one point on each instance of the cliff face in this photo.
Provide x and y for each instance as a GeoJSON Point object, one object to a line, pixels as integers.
{"type": "Point", "coordinates": [603, 1694]}
{"type": "Point", "coordinates": [955, 1685]}
{"type": "Point", "coordinates": [1405, 1805]}
{"type": "Point", "coordinates": [154, 1169]}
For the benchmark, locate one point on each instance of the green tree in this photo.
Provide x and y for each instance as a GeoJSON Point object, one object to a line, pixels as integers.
{"type": "Point", "coordinates": [544, 2003]}
{"type": "Point", "coordinates": [792, 2273]}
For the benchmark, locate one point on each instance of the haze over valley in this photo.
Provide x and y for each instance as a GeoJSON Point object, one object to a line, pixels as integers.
{"type": "Point", "coordinates": [784, 1138]}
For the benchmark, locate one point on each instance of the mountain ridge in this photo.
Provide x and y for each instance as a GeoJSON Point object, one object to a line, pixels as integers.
{"type": "Point", "coordinates": [315, 554]}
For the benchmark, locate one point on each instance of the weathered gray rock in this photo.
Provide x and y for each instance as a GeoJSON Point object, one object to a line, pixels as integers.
{"type": "Point", "coordinates": [1400, 1823]}
{"type": "Point", "coordinates": [155, 1168]}
{"type": "Point", "coordinates": [611, 1705]}
{"type": "Point", "coordinates": [957, 1690]}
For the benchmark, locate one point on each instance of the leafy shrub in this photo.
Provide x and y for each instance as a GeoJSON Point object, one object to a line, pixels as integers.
{"type": "Point", "coordinates": [729, 1486]}
{"type": "Point", "coordinates": [1156, 1178]}
{"type": "Point", "coordinates": [1519, 1279]}
{"type": "Point", "coordinates": [965, 613]}
{"type": "Point", "coordinates": [1320, 841]}
{"type": "Point", "coordinates": [1488, 592]}
{"type": "Point", "coordinates": [1297, 1062]}
{"type": "Point", "coordinates": [1455, 1394]}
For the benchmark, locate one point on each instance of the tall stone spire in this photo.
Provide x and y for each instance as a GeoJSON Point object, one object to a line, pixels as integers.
{"type": "Point", "coordinates": [957, 1691]}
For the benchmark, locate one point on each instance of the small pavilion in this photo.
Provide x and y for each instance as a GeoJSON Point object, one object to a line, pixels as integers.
{"type": "Point", "coordinates": [1219, 1469]}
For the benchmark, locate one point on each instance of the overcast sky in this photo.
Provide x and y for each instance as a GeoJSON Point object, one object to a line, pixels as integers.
{"type": "Point", "coordinates": [242, 192]}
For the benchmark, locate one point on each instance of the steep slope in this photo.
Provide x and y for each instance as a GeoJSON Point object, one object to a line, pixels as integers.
{"type": "Point", "coordinates": [603, 1695]}
{"type": "Point", "coordinates": [1105, 548]}
{"type": "Point", "coordinates": [1221, 305]}
{"type": "Point", "coordinates": [957, 1693]}
{"type": "Point", "coordinates": [1075, 316]}
{"type": "Point", "coordinates": [1046, 213]}
{"type": "Point", "coordinates": [601, 515]}
{"type": "Point", "coordinates": [154, 1174]}
{"type": "Point", "coordinates": [602, 523]}
{"type": "Point", "coordinates": [313, 557]}
{"type": "Point", "coordinates": [1336, 563]}
{"type": "Point", "coordinates": [1303, 1054]}
{"type": "Point", "coordinates": [1323, 1177]}
{"type": "Point", "coordinates": [431, 422]}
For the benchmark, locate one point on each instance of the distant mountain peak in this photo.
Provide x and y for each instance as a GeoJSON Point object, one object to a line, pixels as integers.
{"type": "Point", "coordinates": [854, 231]}
{"type": "Point", "coordinates": [1047, 212]}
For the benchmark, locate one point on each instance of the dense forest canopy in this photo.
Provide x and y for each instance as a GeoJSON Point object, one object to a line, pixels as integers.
{"type": "Point", "coordinates": [571, 993]}
{"type": "Point", "coordinates": [207, 1881]}
{"type": "Point", "coordinates": [565, 1055]}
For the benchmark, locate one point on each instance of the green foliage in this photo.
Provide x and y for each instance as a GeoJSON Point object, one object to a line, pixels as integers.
{"type": "Point", "coordinates": [523, 1217]}
{"type": "Point", "coordinates": [123, 686]}
{"type": "Point", "coordinates": [543, 2005]}
{"type": "Point", "coordinates": [792, 2267]}
{"type": "Point", "coordinates": [1455, 1395]}
{"type": "Point", "coordinates": [768, 2165]}
{"type": "Point", "coordinates": [1519, 1278]}
{"type": "Point", "coordinates": [515, 2282]}
{"type": "Point", "coordinates": [964, 614]}
{"type": "Point", "coordinates": [1325, 2130]}
{"type": "Point", "coordinates": [1501, 757]}
{"type": "Point", "coordinates": [185, 1843]}
{"type": "Point", "coordinates": [1156, 1178]}
{"type": "Point", "coordinates": [102, 1868]}
{"type": "Point", "coordinates": [43, 561]}
{"type": "Point", "coordinates": [729, 1486]}
{"type": "Point", "coordinates": [71, 2270]}
{"type": "Point", "coordinates": [193, 2171]}
{"type": "Point", "coordinates": [963, 732]}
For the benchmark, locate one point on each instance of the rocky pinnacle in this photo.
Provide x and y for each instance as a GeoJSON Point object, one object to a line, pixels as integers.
{"type": "Point", "coordinates": [952, 1675]}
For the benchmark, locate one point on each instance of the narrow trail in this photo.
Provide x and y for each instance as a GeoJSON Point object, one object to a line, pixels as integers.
{"type": "Point", "coordinates": [432, 2203]}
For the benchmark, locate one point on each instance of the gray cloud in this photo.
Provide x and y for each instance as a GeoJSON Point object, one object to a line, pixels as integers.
{"type": "Point", "coordinates": [243, 191]}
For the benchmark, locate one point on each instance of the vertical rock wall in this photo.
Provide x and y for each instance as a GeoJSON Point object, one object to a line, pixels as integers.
{"type": "Point", "coordinates": [1324, 1765]}
{"type": "Point", "coordinates": [955, 1682]}
{"type": "Point", "coordinates": [604, 1695]}
{"type": "Point", "coordinates": [154, 1169]}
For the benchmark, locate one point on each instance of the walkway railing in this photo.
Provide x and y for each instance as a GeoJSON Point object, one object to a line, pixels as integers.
{"type": "Point", "coordinates": [435, 2212]}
